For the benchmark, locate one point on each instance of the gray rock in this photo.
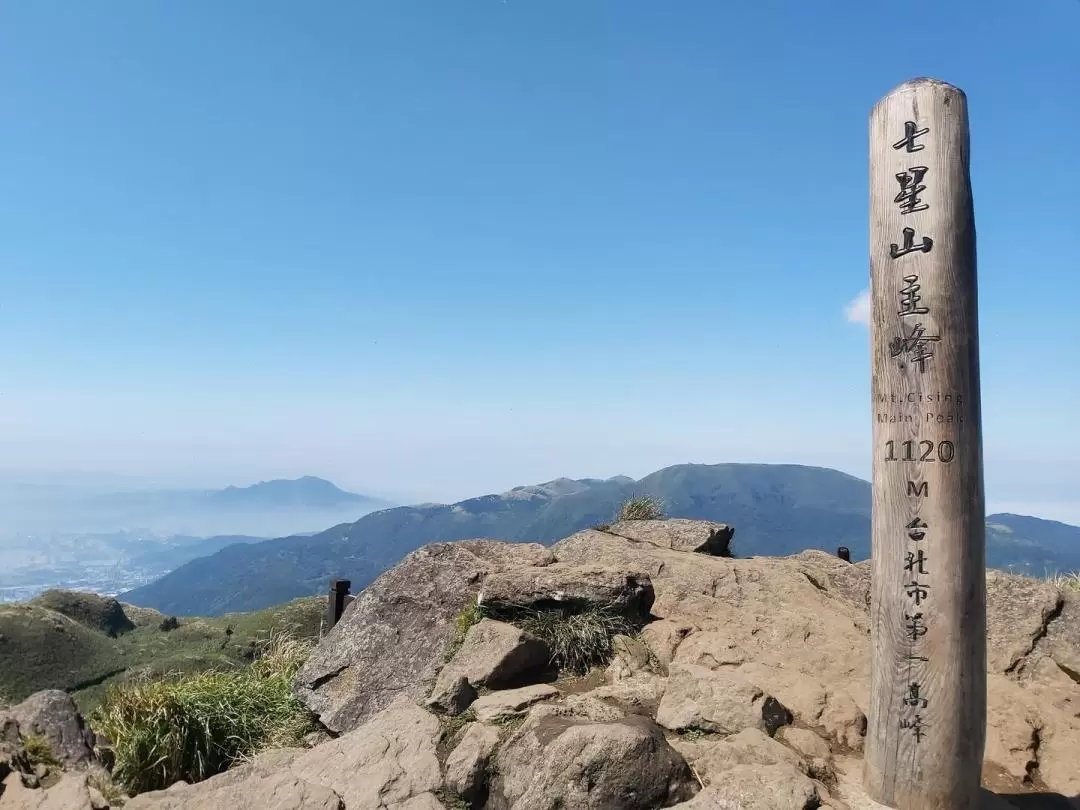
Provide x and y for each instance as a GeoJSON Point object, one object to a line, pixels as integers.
{"type": "Point", "coordinates": [467, 765]}
{"type": "Point", "coordinates": [314, 738]}
{"type": "Point", "coordinates": [425, 801]}
{"type": "Point", "coordinates": [663, 638]}
{"type": "Point", "coordinates": [454, 697]}
{"type": "Point", "coordinates": [54, 715]}
{"type": "Point", "coordinates": [392, 639]}
{"type": "Point", "coordinates": [254, 786]}
{"type": "Point", "coordinates": [640, 694]}
{"type": "Point", "coordinates": [700, 536]}
{"type": "Point", "coordinates": [509, 702]}
{"type": "Point", "coordinates": [578, 587]}
{"type": "Point", "coordinates": [817, 759]}
{"type": "Point", "coordinates": [563, 760]}
{"type": "Point", "coordinates": [580, 708]}
{"type": "Point", "coordinates": [757, 787]}
{"type": "Point", "coordinates": [68, 792]}
{"type": "Point", "coordinates": [805, 742]}
{"type": "Point", "coordinates": [708, 700]}
{"type": "Point", "coordinates": [97, 801]}
{"type": "Point", "coordinates": [629, 658]}
{"type": "Point", "coordinates": [494, 655]}
{"type": "Point", "coordinates": [749, 747]}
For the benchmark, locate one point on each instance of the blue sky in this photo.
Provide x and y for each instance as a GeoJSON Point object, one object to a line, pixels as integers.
{"type": "Point", "coordinates": [433, 249]}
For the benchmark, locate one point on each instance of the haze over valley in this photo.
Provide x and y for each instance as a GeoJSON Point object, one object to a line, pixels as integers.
{"type": "Point", "coordinates": [98, 533]}
{"type": "Point", "coordinates": [207, 552]}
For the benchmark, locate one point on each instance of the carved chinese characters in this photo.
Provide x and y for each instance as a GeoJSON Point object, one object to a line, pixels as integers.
{"type": "Point", "coordinates": [926, 723]}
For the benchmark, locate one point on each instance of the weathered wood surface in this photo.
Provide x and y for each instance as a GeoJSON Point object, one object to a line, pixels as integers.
{"type": "Point", "coordinates": [927, 719]}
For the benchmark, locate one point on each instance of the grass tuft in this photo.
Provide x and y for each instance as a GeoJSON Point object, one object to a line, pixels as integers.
{"type": "Point", "coordinates": [468, 616]}
{"type": "Point", "coordinates": [451, 800]}
{"type": "Point", "coordinates": [39, 751]}
{"type": "Point", "coordinates": [190, 727]}
{"type": "Point", "coordinates": [450, 725]}
{"type": "Point", "coordinates": [578, 640]}
{"type": "Point", "coordinates": [642, 507]}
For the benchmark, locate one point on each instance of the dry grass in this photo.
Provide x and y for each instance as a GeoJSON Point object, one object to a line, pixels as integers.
{"type": "Point", "coordinates": [1068, 581]}
{"type": "Point", "coordinates": [188, 727]}
{"type": "Point", "coordinates": [642, 507]}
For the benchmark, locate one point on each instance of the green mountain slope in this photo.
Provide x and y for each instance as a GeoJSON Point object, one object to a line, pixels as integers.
{"type": "Point", "coordinates": [775, 509]}
{"type": "Point", "coordinates": [44, 648]}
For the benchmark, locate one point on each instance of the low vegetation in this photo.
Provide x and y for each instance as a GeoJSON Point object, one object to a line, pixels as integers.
{"type": "Point", "coordinates": [103, 782]}
{"type": "Point", "coordinates": [95, 612]}
{"type": "Point", "coordinates": [44, 648]}
{"type": "Point", "coordinates": [191, 726]}
{"type": "Point", "coordinates": [470, 615]}
{"type": "Point", "coordinates": [579, 639]}
{"type": "Point", "coordinates": [39, 751]}
{"type": "Point", "coordinates": [642, 507]}
{"type": "Point", "coordinates": [1067, 582]}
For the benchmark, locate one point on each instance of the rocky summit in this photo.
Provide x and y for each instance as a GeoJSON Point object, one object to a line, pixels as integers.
{"type": "Point", "coordinates": [461, 678]}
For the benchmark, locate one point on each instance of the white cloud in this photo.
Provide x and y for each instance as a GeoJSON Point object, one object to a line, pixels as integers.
{"type": "Point", "coordinates": [858, 310]}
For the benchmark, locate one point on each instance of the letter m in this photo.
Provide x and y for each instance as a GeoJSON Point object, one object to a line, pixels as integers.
{"type": "Point", "coordinates": [922, 489]}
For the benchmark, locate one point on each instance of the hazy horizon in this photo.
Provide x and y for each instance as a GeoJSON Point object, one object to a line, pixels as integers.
{"type": "Point", "coordinates": [434, 250]}
{"type": "Point", "coordinates": [1062, 509]}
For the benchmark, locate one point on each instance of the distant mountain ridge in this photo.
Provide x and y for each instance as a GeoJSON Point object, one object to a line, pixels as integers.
{"type": "Point", "coordinates": [267, 509]}
{"type": "Point", "coordinates": [775, 509]}
{"type": "Point", "coordinates": [279, 493]}
{"type": "Point", "coordinates": [305, 491]}
{"type": "Point", "coordinates": [106, 540]}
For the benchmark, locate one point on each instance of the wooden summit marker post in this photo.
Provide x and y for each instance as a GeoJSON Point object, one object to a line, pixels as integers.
{"type": "Point", "coordinates": [927, 725]}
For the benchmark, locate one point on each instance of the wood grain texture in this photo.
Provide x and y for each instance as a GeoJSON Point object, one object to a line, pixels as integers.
{"type": "Point", "coordinates": [924, 745]}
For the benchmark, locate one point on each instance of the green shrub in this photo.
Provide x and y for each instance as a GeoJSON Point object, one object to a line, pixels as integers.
{"type": "Point", "coordinates": [190, 727]}
{"type": "Point", "coordinates": [169, 623]}
{"type": "Point", "coordinates": [642, 507]}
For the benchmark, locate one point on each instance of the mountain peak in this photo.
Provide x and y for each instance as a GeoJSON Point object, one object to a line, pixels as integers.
{"type": "Point", "coordinates": [308, 490]}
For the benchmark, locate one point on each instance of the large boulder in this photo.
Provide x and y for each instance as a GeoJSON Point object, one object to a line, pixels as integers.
{"type": "Point", "coordinates": [262, 784]}
{"type": "Point", "coordinates": [69, 791]}
{"type": "Point", "coordinates": [702, 699]}
{"type": "Point", "coordinates": [52, 714]}
{"type": "Point", "coordinates": [700, 536]}
{"type": "Point", "coordinates": [592, 757]}
{"type": "Point", "coordinates": [494, 655]}
{"type": "Point", "coordinates": [758, 787]}
{"type": "Point", "coordinates": [508, 703]}
{"type": "Point", "coordinates": [393, 637]}
{"type": "Point", "coordinates": [573, 587]}
{"type": "Point", "coordinates": [467, 766]}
